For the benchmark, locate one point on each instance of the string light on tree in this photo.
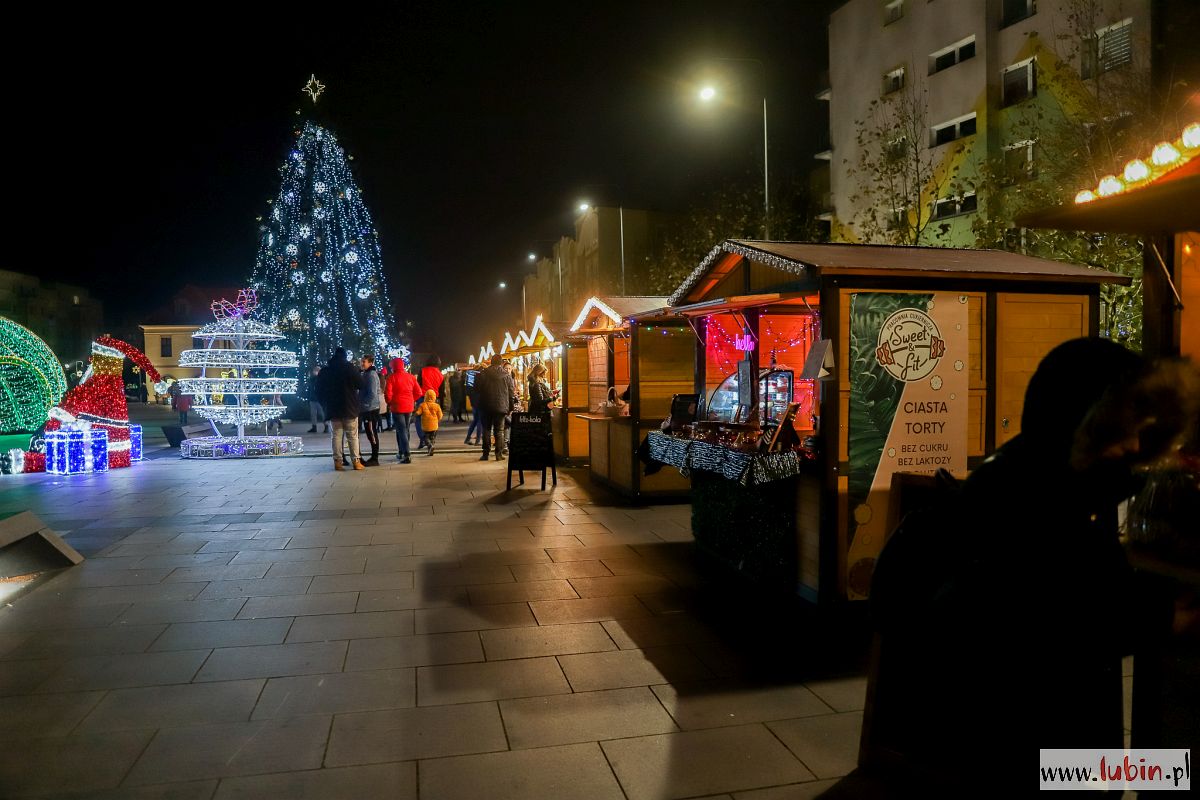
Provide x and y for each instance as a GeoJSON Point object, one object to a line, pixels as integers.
{"type": "Point", "coordinates": [319, 269]}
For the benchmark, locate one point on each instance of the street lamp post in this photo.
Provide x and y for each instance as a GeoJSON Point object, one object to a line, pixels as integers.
{"type": "Point", "coordinates": [583, 207]}
{"type": "Point", "coordinates": [524, 316]}
{"type": "Point", "coordinates": [708, 94]}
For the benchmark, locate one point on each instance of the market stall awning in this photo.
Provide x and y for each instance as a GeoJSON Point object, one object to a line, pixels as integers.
{"type": "Point", "coordinates": [805, 261]}
{"type": "Point", "coordinates": [743, 302]}
{"type": "Point", "coordinates": [609, 314]}
{"type": "Point", "coordinates": [1166, 205]}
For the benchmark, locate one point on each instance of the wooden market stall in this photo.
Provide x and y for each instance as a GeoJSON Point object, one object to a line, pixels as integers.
{"type": "Point", "coordinates": [636, 349]}
{"type": "Point", "coordinates": [539, 345]}
{"type": "Point", "coordinates": [888, 359]}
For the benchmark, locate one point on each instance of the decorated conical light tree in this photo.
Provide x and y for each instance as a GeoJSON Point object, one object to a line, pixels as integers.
{"type": "Point", "coordinates": [319, 271]}
{"type": "Point", "coordinates": [240, 383]}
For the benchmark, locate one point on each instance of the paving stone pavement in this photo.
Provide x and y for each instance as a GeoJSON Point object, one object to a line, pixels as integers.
{"type": "Point", "coordinates": [275, 629]}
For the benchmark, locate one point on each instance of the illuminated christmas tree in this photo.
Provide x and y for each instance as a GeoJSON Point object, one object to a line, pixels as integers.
{"type": "Point", "coordinates": [240, 382]}
{"type": "Point", "coordinates": [319, 271]}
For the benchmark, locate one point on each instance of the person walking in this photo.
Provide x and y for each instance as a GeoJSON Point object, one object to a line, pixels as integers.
{"type": "Point", "coordinates": [339, 388]}
{"type": "Point", "coordinates": [431, 417]}
{"type": "Point", "coordinates": [401, 393]}
{"type": "Point", "coordinates": [372, 396]}
{"type": "Point", "coordinates": [315, 412]}
{"type": "Point", "coordinates": [458, 396]}
{"type": "Point", "coordinates": [430, 377]}
{"type": "Point", "coordinates": [496, 393]}
{"type": "Point", "coordinates": [275, 423]}
{"type": "Point", "coordinates": [471, 389]}
{"type": "Point", "coordinates": [183, 404]}
{"type": "Point", "coordinates": [385, 416]}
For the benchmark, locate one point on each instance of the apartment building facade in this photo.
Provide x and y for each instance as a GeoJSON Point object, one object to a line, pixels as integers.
{"type": "Point", "coordinates": [976, 72]}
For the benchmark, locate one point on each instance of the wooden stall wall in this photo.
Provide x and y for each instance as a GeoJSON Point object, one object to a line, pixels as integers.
{"type": "Point", "coordinates": [576, 400]}
{"type": "Point", "coordinates": [665, 368]}
{"type": "Point", "coordinates": [597, 371]}
{"type": "Point", "coordinates": [1028, 326]}
{"type": "Point", "coordinates": [620, 356]}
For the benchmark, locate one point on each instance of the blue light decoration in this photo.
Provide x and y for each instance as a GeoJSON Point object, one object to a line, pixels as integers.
{"type": "Point", "coordinates": [135, 443]}
{"type": "Point", "coordinates": [319, 270]}
{"type": "Point", "coordinates": [76, 450]}
{"type": "Point", "coordinates": [64, 452]}
{"type": "Point", "coordinates": [99, 448]}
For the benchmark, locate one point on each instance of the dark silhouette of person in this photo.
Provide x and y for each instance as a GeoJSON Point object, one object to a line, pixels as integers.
{"type": "Point", "coordinates": [1010, 607]}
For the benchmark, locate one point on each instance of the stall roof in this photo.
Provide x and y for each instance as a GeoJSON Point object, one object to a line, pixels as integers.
{"type": "Point", "coordinates": [1168, 204]}
{"type": "Point", "coordinates": [743, 301]}
{"type": "Point", "coordinates": [809, 260]}
{"type": "Point", "coordinates": [607, 314]}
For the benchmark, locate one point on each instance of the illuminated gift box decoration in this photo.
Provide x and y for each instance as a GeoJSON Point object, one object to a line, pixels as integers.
{"type": "Point", "coordinates": [98, 440]}
{"type": "Point", "coordinates": [76, 450]}
{"type": "Point", "coordinates": [64, 452]}
{"type": "Point", "coordinates": [135, 443]}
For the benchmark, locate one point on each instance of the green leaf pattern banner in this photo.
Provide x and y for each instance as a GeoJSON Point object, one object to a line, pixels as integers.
{"type": "Point", "coordinates": [909, 400]}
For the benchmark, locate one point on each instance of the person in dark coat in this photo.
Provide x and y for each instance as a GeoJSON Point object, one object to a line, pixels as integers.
{"type": "Point", "coordinates": [339, 387]}
{"type": "Point", "coordinates": [458, 396]}
{"type": "Point", "coordinates": [496, 393]}
{"type": "Point", "coordinates": [539, 390]}
{"type": "Point", "coordinates": [1022, 635]}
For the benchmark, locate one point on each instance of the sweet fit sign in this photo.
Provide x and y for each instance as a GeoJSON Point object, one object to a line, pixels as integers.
{"type": "Point", "coordinates": [908, 406]}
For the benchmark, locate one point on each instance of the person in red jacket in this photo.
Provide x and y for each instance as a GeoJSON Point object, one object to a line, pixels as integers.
{"type": "Point", "coordinates": [401, 392]}
{"type": "Point", "coordinates": [430, 380]}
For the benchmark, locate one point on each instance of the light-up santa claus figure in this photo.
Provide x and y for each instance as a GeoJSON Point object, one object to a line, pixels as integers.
{"type": "Point", "coordinates": [99, 399]}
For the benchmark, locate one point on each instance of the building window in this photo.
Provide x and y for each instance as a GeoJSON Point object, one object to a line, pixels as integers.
{"type": "Point", "coordinates": [1018, 162]}
{"type": "Point", "coordinates": [1018, 83]}
{"type": "Point", "coordinates": [954, 54]}
{"type": "Point", "coordinates": [893, 81]}
{"type": "Point", "coordinates": [1016, 10]}
{"type": "Point", "coordinates": [164, 346]}
{"type": "Point", "coordinates": [1109, 49]}
{"type": "Point", "coordinates": [954, 129]}
{"type": "Point", "coordinates": [953, 206]}
{"type": "Point", "coordinates": [893, 11]}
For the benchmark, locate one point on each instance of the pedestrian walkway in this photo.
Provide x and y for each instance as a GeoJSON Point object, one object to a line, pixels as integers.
{"type": "Point", "coordinates": [275, 629]}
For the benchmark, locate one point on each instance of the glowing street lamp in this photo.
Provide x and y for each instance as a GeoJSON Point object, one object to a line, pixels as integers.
{"type": "Point", "coordinates": [708, 94]}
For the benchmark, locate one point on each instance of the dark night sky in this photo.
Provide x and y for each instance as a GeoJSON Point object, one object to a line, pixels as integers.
{"type": "Point", "coordinates": [142, 149]}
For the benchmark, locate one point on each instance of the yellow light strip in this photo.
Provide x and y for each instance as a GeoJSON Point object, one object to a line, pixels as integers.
{"type": "Point", "coordinates": [1163, 158]}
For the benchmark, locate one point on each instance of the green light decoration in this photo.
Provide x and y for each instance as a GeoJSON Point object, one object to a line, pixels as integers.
{"type": "Point", "coordinates": [31, 379]}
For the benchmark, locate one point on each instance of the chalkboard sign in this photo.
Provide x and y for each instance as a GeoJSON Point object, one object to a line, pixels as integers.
{"type": "Point", "coordinates": [531, 446]}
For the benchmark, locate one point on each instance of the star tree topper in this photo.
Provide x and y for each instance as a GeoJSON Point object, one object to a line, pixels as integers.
{"type": "Point", "coordinates": [314, 88]}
